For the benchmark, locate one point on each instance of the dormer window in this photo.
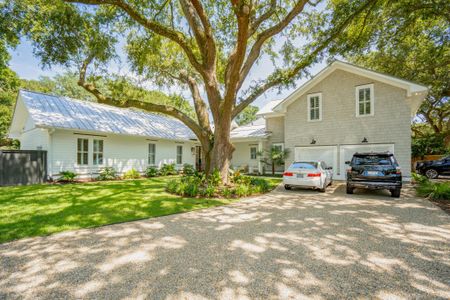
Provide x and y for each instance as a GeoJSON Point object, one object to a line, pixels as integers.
{"type": "Point", "coordinates": [364, 100]}
{"type": "Point", "coordinates": [315, 107]}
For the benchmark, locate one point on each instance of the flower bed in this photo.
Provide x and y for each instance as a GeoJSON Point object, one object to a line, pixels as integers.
{"type": "Point", "coordinates": [200, 185]}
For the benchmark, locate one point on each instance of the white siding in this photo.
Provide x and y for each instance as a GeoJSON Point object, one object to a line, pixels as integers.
{"type": "Point", "coordinates": [241, 156]}
{"type": "Point", "coordinates": [120, 152]}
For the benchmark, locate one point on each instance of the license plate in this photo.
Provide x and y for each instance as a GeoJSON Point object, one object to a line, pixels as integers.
{"type": "Point", "coordinates": [299, 175]}
{"type": "Point", "coordinates": [372, 173]}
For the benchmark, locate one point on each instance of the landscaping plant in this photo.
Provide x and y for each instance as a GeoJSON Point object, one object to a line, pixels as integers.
{"type": "Point", "coordinates": [168, 169]}
{"type": "Point", "coordinates": [67, 176]}
{"type": "Point", "coordinates": [131, 174]}
{"type": "Point", "coordinates": [108, 173]}
{"type": "Point", "coordinates": [188, 169]}
{"type": "Point", "coordinates": [151, 171]}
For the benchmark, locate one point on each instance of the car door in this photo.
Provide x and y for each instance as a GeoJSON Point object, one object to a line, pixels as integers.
{"type": "Point", "coordinates": [328, 172]}
{"type": "Point", "coordinates": [444, 168]}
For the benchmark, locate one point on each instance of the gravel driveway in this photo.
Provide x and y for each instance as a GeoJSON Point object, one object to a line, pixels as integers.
{"type": "Point", "coordinates": [297, 244]}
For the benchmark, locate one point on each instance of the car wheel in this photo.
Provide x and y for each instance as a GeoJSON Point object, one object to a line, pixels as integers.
{"type": "Point", "coordinates": [431, 173]}
{"type": "Point", "coordinates": [331, 182]}
{"type": "Point", "coordinates": [349, 189]}
{"type": "Point", "coordinates": [323, 189]}
{"type": "Point", "coordinates": [287, 187]}
{"type": "Point", "coordinates": [395, 193]}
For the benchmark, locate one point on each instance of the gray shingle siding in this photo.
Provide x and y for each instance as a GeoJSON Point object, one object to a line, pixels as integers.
{"type": "Point", "coordinates": [391, 122]}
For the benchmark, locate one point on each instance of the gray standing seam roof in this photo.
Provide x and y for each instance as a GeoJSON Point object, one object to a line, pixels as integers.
{"type": "Point", "coordinates": [66, 113]}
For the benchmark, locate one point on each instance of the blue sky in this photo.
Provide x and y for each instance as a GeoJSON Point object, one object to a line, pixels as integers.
{"type": "Point", "coordinates": [27, 66]}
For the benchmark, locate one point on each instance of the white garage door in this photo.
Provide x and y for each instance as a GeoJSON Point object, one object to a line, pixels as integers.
{"type": "Point", "coordinates": [326, 153]}
{"type": "Point", "coordinates": [347, 151]}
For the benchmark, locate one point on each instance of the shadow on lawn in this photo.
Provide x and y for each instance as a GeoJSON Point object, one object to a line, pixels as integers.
{"type": "Point", "coordinates": [40, 210]}
{"type": "Point", "coordinates": [281, 245]}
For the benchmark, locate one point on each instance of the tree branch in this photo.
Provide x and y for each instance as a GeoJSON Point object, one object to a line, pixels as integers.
{"type": "Point", "coordinates": [263, 17]}
{"type": "Point", "coordinates": [147, 106]}
{"type": "Point", "coordinates": [174, 35]}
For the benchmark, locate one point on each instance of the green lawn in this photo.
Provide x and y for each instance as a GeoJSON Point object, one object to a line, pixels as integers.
{"type": "Point", "coordinates": [44, 209]}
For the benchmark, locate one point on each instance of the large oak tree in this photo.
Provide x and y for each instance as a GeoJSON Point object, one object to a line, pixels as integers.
{"type": "Point", "coordinates": [209, 47]}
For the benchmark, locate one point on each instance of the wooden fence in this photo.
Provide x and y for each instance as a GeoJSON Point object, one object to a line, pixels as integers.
{"type": "Point", "coordinates": [20, 167]}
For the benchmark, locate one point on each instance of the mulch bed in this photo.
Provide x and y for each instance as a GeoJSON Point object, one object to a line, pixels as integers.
{"type": "Point", "coordinates": [443, 204]}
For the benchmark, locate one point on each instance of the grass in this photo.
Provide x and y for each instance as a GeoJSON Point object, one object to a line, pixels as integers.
{"type": "Point", "coordinates": [27, 211]}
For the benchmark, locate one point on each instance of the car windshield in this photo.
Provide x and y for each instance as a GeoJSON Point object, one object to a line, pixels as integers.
{"type": "Point", "coordinates": [304, 165]}
{"type": "Point", "coordinates": [372, 160]}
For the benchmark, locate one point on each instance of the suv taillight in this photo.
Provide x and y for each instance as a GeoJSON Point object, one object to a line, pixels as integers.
{"type": "Point", "coordinates": [398, 171]}
{"type": "Point", "coordinates": [349, 169]}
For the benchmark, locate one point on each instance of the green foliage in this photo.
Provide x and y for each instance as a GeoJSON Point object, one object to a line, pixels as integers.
{"type": "Point", "coordinates": [131, 174]}
{"type": "Point", "coordinates": [151, 171]}
{"type": "Point", "coordinates": [417, 178]}
{"type": "Point", "coordinates": [214, 178]}
{"type": "Point", "coordinates": [429, 143]}
{"type": "Point", "coordinates": [67, 176]}
{"type": "Point", "coordinates": [188, 169]}
{"type": "Point", "coordinates": [168, 169]}
{"type": "Point", "coordinates": [434, 190]}
{"type": "Point", "coordinates": [200, 185]}
{"type": "Point", "coordinates": [273, 157]}
{"type": "Point", "coordinates": [108, 173]}
{"type": "Point", "coordinates": [247, 116]}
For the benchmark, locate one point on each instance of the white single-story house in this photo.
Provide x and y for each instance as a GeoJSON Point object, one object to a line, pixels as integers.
{"type": "Point", "coordinates": [343, 109]}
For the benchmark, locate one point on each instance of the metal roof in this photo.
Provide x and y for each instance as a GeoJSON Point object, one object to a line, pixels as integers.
{"type": "Point", "coordinates": [67, 113]}
{"type": "Point", "coordinates": [253, 130]}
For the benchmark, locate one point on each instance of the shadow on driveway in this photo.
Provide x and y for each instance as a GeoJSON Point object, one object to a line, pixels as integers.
{"type": "Point", "coordinates": [285, 244]}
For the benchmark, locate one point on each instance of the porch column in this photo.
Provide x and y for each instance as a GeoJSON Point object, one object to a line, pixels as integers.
{"type": "Point", "coordinates": [260, 148]}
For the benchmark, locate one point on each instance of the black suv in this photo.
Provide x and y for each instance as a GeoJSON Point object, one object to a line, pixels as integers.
{"type": "Point", "coordinates": [374, 170]}
{"type": "Point", "coordinates": [433, 168]}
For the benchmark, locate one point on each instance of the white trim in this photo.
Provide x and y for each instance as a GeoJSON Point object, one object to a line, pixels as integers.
{"type": "Point", "coordinates": [372, 100]}
{"type": "Point", "coordinates": [412, 89]}
{"type": "Point", "coordinates": [308, 99]}
{"type": "Point", "coordinates": [278, 144]}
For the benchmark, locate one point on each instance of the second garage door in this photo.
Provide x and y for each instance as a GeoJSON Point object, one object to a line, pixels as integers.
{"type": "Point", "coordinates": [326, 153]}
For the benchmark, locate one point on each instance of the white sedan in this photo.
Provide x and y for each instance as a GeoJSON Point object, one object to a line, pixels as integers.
{"type": "Point", "coordinates": [310, 174]}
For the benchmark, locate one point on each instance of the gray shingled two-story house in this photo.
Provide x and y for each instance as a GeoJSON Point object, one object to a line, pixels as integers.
{"type": "Point", "coordinates": [342, 110]}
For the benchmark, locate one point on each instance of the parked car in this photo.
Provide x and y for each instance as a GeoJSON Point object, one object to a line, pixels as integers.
{"type": "Point", "coordinates": [433, 168]}
{"type": "Point", "coordinates": [372, 170]}
{"type": "Point", "coordinates": [309, 174]}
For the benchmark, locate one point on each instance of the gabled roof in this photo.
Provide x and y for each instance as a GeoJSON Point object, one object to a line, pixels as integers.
{"type": "Point", "coordinates": [51, 111]}
{"type": "Point", "coordinates": [412, 89]}
{"type": "Point", "coordinates": [268, 108]}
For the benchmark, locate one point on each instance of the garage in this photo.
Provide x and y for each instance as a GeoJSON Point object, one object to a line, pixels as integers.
{"type": "Point", "coordinates": [328, 154]}
{"type": "Point", "coordinates": [336, 156]}
{"type": "Point", "coordinates": [346, 152]}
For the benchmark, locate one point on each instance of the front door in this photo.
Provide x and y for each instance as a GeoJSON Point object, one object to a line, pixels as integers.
{"type": "Point", "coordinates": [198, 158]}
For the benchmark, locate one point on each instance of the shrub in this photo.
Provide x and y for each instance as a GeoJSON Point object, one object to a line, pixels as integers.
{"type": "Point", "coordinates": [242, 190]}
{"type": "Point", "coordinates": [260, 185]}
{"type": "Point", "coordinates": [434, 190]}
{"type": "Point", "coordinates": [417, 178]}
{"type": "Point", "coordinates": [188, 170]}
{"type": "Point", "coordinates": [214, 178]}
{"type": "Point", "coordinates": [151, 171]}
{"type": "Point", "coordinates": [108, 173]}
{"type": "Point", "coordinates": [67, 176]}
{"type": "Point", "coordinates": [131, 174]}
{"type": "Point", "coordinates": [209, 191]}
{"type": "Point", "coordinates": [172, 186]}
{"type": "Point", "coordinates": [227, 192]}
{"type": "Point", "coordinates": [168, 169]}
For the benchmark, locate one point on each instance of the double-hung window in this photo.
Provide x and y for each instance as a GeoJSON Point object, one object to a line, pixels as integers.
{"type": "Point", "coordinates": [315, 107]}
{"type": "Point", "coordinates": [82, 151]}
{"type": "Point", "coordinates": [151, 154]}
{"type": "Point", "coordinates": [364, 100]}
{"type": "Point", "coordinates": [252, 152]}
{"type": "Point", "coordinates": [97, 155]}
{"type": "Point", "coordinates": [278, 147]}
{"type": "Point", "coordinates": [179, 154]}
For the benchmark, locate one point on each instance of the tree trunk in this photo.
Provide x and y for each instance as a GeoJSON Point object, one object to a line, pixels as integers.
{"type": "Point", "coordinates": [222, 150]}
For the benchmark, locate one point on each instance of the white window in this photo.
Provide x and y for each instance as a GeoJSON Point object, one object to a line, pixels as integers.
{"type": "Point", "coordinates": [364, 100]}
{"type": "Point", "coordinates": [151, 154]}
{"type": "Point", "coordinates": [278, 146]}
{"type": "Point", "coordinates": [82, 151]}
{"type": "Point", "coordinates": [98, 152]}
{"type": "Point", "coordinates": [315, 107]}
{"type": "Point", "coordinates": [179, 155]}
{"type": "Point", "coordinates": [252, 152]}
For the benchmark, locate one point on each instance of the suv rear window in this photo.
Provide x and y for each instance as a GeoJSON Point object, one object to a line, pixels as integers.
{"type": "Point", "coordinates": [303, 165]}
{"type": "Point", "coordinates": [372, 160]}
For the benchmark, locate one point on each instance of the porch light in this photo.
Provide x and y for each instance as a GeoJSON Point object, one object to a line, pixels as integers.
{"type": "Point", "coordinates": [364, 140]}
{"type": "Point", "coordinates": [313, 141]}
